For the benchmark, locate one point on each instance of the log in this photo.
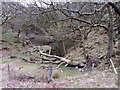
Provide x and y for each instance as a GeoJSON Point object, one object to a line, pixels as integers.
{"type": "Point", "coordinates": [59, 59]}
{"type": "Point", "coordinates": [73, 63]}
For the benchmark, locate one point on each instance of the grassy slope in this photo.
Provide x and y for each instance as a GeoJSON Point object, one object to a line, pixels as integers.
{"type": "Point", "coordinates": [95, 45]}
{"type": "Point", "coordinates": [70, 77]}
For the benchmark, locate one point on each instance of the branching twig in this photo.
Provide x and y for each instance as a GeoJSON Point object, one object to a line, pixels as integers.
{"type": "Point", "coordinates": [117, 10]}
{"type": "Point", "coordinates": [82, 14]}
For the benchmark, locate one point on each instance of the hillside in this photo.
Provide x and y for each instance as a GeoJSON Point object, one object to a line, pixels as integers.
{"type": "Point", "coordinates": [54, 44]}
{"type": "Point", "coordinates": [12, 54]}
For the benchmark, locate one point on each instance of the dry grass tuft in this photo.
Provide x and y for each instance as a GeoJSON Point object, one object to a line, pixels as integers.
{"type": "Point", "coordinates": [55, 74]}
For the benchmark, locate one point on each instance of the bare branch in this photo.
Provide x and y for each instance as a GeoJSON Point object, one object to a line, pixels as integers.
{"type": "Point", "coordinates": [54, 21]}
{"type": "Point", "coordinates": [82, 14]}
{"type": "Point", "coordinates": [117, 10]}
{"type": "Point", "coordinates": [81, 20]}
{"type": "Point", "coordinates": [60, 64]}
{"type": "Point", "coordinates": [100, 25]}
{"type": "Point", "coordinates": [73, 63]}
{"type": "Point", "coordinates": [6, 19]}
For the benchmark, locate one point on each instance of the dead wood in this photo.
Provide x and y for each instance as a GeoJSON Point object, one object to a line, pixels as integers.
{"type": "Point", "coordinates": [113, 66]}
{"type": "Point", "coordinates": [60, 64]}
{"type": "Point", "coordinates": [42, 61]}
{"type": "Point", "coordinates": [73, 63]}
{"type": "Point", "coordinates": [57, 60]}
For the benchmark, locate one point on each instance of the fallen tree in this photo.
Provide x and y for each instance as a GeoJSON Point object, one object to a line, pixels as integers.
{"type": "Point", "coordinates": [45, 58]}
{"type": "Point", "coordinates": [57, 60]}
{"type": "Point", "coordinates": [68, 62]}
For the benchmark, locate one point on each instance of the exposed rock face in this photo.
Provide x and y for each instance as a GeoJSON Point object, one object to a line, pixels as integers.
{"type": "Point", "coordinates": [57, 47]}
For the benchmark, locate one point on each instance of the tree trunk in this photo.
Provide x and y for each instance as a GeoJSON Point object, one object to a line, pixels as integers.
{"type": "Point", "coordinates": [83, 45]}
{"type": "Point", "coordinates": [63, 46]}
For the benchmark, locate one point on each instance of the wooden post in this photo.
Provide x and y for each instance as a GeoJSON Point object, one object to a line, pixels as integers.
{"type": "Point", "coordinates": [8, 85]}
{"type": "Point", "coordinates": [49, 73]}
{"type": "Point", "coordinates": [83, 44]}
{"type": "Point", "coordinates": [110, 33]}
{"type": "Point", "coordinates": [92, 68]}
{"type": "Point", "coordinates": [8, 72]}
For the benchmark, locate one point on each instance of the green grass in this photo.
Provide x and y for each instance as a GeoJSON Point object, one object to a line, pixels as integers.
{"type": "Point", "coordinates": [0, 46]}
{"type": "Point", "coordinates": [31, 68]}
{"type": "Point", "coordinates": [34, 69]}
{"type": "Point", "coordinates": [70, 72]}
{"type": "Point", "coordinates": [36, 53]}
{"type": "Point", "coordinates": [7, 60]}
{"type": "Point", "coordinates": [23, 55]}
{"type": "Point", "coordinates": [8, 37]}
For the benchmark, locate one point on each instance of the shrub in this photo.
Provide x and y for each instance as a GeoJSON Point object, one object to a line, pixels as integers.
{"type": "Point", "coordinates": [55, 74]}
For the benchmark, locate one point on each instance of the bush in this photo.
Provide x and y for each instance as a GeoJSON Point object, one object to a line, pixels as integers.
{"type": "Point", "coordinates": [55, 74]}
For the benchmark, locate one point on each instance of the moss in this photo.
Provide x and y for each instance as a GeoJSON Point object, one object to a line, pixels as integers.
{"type": "Point", "coordinates": [113, 53]}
